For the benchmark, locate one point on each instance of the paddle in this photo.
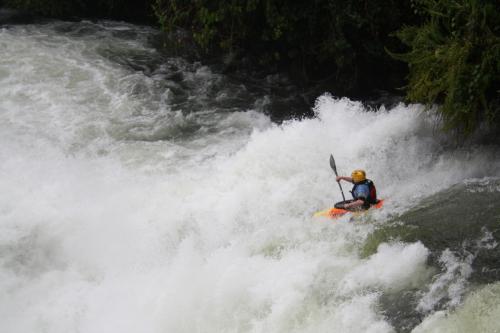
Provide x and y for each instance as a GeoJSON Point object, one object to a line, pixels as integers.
{"type": "Point", "coordinates": [334, 167]}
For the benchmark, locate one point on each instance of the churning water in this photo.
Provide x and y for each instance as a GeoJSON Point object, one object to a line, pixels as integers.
{"type": "Point", "coordinates": [145, 193]}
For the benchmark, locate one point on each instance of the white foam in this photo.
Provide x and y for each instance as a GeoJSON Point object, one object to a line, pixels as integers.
{"type": "Point", "coordinates": [479, 313]}
{"type": "Point", "coordinates": [450, 285]}
{"type": "Point", "coordinates": [392, 268]}
{"type": "Point", "coordinates": [356, 315]}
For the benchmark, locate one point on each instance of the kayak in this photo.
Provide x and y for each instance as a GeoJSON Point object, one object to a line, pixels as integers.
{"type": "Point", "coordinates": [335, 213]}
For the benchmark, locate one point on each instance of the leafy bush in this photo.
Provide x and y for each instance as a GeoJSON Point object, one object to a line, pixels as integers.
{"type": "Point", "coordinates": [454, 61]}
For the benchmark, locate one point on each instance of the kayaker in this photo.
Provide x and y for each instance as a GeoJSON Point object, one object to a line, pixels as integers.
{"type": "Point", "coordinates": [363, 192]}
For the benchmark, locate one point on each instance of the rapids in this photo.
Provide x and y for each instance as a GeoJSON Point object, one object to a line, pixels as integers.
{"type": "Point", "coordinates": [147, 193]}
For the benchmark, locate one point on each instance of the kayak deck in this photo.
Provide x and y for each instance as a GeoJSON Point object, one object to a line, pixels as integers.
{"type": "Point", "coordinates": [334, 213]}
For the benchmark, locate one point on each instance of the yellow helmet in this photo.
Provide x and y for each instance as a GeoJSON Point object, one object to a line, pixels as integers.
{"type": "Point", "coordinates": [358, 176]}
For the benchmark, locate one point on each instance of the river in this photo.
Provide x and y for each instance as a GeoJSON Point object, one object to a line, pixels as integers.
{"type": "Point", "coordinates": [148, 193]}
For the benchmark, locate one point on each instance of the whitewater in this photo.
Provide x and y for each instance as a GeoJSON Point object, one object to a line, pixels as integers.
{"type": "Point", "coordinates": [147, 193]}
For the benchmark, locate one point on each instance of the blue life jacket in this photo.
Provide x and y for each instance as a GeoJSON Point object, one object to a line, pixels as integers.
{"type": "Point", "coordinates": [365, 191]}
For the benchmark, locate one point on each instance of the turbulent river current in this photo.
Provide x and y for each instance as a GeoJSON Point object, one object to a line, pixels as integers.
{"type": "Point", "coordinates": [147, 193]}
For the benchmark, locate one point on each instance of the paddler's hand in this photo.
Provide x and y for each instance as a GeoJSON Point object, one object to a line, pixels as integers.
{"type": "Point", "coordinates": [339, 178]}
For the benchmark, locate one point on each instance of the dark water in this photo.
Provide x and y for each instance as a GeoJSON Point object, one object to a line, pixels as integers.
{"type": "Point", "coordinates": [461, 227]}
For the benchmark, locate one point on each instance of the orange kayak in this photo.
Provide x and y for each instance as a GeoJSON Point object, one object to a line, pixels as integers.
{"type": "Point", "coordinates": [335, 213]}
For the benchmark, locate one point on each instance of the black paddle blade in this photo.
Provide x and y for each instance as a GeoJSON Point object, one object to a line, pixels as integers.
{"type": "Point", "coordinates": [332, 165]}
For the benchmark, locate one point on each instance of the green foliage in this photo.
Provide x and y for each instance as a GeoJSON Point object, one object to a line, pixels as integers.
{"type": "Point", "coordinates": [212, 23]}
{"type": "Point", "coordinates": [454, 61]}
